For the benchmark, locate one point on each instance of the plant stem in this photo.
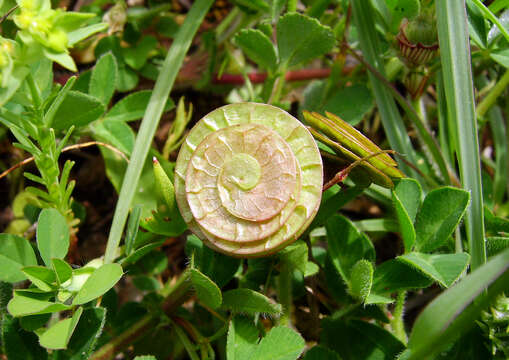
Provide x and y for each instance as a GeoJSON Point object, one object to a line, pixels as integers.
{"type": "Point", "coordinates": [162, 87]}
{"type": "Point", "coordinates": [457, 72]}
{"type": "Point", "coordinates": [398, 326]}
{"type": "Point", "coordinates": [285, 292]}
{"type": "Point", "coordinates": [493, 95]}
{"type": "Point", "coordinates": [175, 296]}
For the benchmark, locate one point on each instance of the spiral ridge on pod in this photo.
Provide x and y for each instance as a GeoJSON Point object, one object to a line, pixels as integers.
{"type": "Point", "coordinates": [248, 179]}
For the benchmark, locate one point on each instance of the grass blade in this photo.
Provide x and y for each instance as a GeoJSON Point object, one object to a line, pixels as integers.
{"type": "Point", "coordinates": [162, 87]}
{"type": "Point", "coordinates": [459, 92]}
{"type": "Point", "coordinates": [364, 19]}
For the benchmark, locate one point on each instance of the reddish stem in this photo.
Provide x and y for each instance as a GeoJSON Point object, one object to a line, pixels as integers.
{"type": "Point", "coordinates": [257, 78]}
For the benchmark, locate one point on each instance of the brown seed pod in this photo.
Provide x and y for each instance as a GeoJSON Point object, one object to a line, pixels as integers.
{"type": "Point", "coordinates": [248, 179]}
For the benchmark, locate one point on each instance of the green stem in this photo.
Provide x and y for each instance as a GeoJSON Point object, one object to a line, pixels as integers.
{"type": "Point", "coordinates": [174, 295]}
{"type": "Point", "coordinates": [493, 95]}
{"type": "Point", "coordinates": [278, 88]}
{"type": "Point", "coordinates": [398, 326]}
{"type": "Point", "coordinates": [285, 292]}
{"type": "Point", "coordinates": [162, 87]}
{"type": "Point", "coordinates": [457, 72]}
{"type": "Point", "coordinates": [34, 91]}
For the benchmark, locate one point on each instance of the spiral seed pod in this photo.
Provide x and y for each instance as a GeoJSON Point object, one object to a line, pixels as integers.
{"type": "Point", "coordinates": [248, 179]}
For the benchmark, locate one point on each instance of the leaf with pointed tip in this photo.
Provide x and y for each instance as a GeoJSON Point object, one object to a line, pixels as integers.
{"type": "Point", "coordinates": [248, 301]}
{"type": "Point", "coordinates": [206, 289]}
{"type": "Point", "coordinates": [58, 335]}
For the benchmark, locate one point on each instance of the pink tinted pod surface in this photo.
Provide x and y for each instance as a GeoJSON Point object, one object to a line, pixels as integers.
{"type": "Point", "coordinates": [248, 179]}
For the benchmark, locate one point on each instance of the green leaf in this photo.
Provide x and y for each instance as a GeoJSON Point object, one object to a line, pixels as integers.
{"type": "Point", "coordinates": [247, 301]}
{"type": "Point", "coordinates": [242, 338]}
{"type": "Point", "coordinates": [359, 340]}
{"type": "Point", "coordinates": [62, 270]}
{"type": "Point", "coordinates": [258, 47]}
{"type": "Point", "coordinates": [40, 276]}
{"type": "Point", "coordinates": [90, 108]}
{"type": "Point", "coordinates": [137, 55]}
{"type": "Point", "coordinates": [132, 229]}
{"type": "Point", "coordinates": [440, 214]}
{"type": "Point", "coordinates": [118, 134]}
{"type": "Point", "coordinates": [394, 275]}
{"type": "Point", "coordinates": [281, 343]}
{"type": "Point", "coordinates": [296, 256]}
{"type": "Point", "coordinates": [104, 78]}
{"type": "Point", "coordinates": [218, 267]}
{"type": "Point", "coordinates": [206, 290]}
{"type": "Point", "coordinates": [84, 32]}
{"type": "Point", "coordinates": [141, 252]}
{"type": "Point", "coordinates": [501, 56]}
{"type": "Point", "coordinates": [15, 80]}
{"type": "Point", "coordinates": [496, 244]}
{"type": "Point", "coordinates": [58, 335]}
{"type": "Point", "coordinates": [34, 322]}
{"type": "Point", "coordinates": [442, 268]}
{"type": "Point", "coordinates": [15, 253]}
{"type": "Point", "coordinates": [314, 39]}
{"type": "Point", "coordinates": [23, 304]}
{"type": "Point", "coordinates": [406, 197]}
{"type": "Point", "coordinates": [361, 279]}
{"type": "Point", "coordinates": [52, 235]}
{"type": "Point", "coordinates": [18, 344]}
{"type": "Point", "coordinates": [101, 280]}
{"type": "Point", "coordinates": [164, 187]}
{"type": "Point", "coordinates": [350, 103]}
{"type": "Point", "coordinates": [476, 25]}
{"type": "Point", "coordinates": [319, 352]}
{"type": "Point", "coordinates": [347, 245]}
{"type": "Point", "coordinates": [132, 107]}
{"type": "Point", "coordinates": [63, 59]}
{"type": "Point", "coordinates": [86, 334]}
{"type": "Point", "coordinates": [145, 357]}
{"type": "Point", "coordinates": [454, 311]}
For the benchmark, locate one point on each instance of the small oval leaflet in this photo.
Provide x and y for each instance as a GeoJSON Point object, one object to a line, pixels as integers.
{"type": "Point", "coordinates": [248, 179]}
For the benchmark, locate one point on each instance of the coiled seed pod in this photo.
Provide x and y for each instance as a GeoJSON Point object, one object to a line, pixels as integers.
{"type": "Point", "coordinates": [248, 179]}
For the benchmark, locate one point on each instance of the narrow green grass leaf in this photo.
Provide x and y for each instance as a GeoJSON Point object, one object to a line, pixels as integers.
{"type": "Point", "coordinates": [162, 87]}
{"type": "Point", "coordinates": [454, 311]}
{"type": "Point", "coordinates": [459, 92]}
{"type": "Point", "coordinates": [364, 18]}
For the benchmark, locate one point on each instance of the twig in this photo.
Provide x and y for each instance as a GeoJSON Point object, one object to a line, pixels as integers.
{"type": "Point", "coordinates": [67, 148]}
{"type": "Point", "coordinates": [6, 15]}
{"type": "Point", "coordinates": [258, 78]}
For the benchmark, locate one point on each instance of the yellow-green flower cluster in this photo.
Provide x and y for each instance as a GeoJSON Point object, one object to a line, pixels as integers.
{"type": "Point", "coordinates": [38, 20]}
